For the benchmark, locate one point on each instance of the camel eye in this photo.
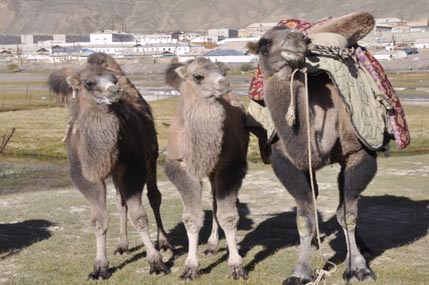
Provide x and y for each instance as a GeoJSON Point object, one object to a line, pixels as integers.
{"type": "Point", "coordinates": [264, 43]}
{"type": "Point", "coordinates": [89, 84]}
{"type": "Point", "coordinates": [198, 78]}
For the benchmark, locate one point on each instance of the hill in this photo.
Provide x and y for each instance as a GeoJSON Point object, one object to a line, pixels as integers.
{"type": "Point", "coordinates": [81, 16]}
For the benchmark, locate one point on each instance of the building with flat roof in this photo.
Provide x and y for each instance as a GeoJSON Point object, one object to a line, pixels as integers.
{"type": "Point", "coordinates": [107, 37]}
{"type": "Point", "coordinates": [255, 30]}
{"type": "Point", "coordinates": [220, 34]}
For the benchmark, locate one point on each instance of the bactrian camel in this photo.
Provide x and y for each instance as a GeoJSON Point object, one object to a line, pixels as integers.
{"type": "Point", "coordinates": [111, 132]}
{"type": "Point", "coordinates": [207, 138]}
{"type": "Point", "coordinates": [333, 140]}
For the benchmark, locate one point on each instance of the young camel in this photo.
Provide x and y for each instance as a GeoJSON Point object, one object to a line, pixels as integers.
{"type": "Point", "coordinates": [333, 140]}
{"type": "Point", "coordinates": [207, 138]}
{"type": "Point", "coordinates": [111, 132]}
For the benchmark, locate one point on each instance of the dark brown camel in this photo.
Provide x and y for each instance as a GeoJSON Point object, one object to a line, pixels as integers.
{"type": "Point", "coordinates": [333, 140]}
{"type": "Point", "coordinates": [111, 132]}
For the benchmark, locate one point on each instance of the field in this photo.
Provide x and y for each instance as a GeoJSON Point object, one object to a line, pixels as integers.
{"type": "Point", "coordinates": [45, 237]}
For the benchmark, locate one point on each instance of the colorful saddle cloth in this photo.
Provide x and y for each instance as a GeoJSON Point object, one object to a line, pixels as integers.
{"type": "Point", "coordinates": [396, 117]}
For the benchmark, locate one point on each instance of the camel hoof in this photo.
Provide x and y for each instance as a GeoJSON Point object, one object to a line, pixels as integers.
{"type": "Point", "coordinates": [363, 274]}
{"type": "Point", "coordinates": [238, 272]}
{"type": "Point", "coordinates": [158, 268]}
{"type": "Point", "coordinates": [100, 273]}
{"type": "Point", "coordinates": [295, 281]}
{"type": "Point", "coordinates": [164, 245]}
{"type": "Point", "coordinates": [189, 274]}
{"type": "Point", "coordinates": [121, 251]}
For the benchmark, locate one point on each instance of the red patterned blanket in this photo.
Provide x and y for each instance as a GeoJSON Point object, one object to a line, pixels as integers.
{"type": "Point", "coordinates": [397, 118]}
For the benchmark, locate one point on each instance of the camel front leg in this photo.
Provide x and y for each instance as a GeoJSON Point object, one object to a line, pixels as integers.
{"type": "Point", "coordinates": [193, 215]}
{"type": "Point", "coordinates": [353, 179]}
{"type": "Point", "coordinates": [95, 194]}
{"type": "Point", "coordinates": [99, 220]}
{"type": "Point", "coordinates": [213, 241]}
{"type": "Point", "coordinates": [298, 185]}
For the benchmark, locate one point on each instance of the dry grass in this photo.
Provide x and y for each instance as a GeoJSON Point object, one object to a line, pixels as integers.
{"type": "Point", "coordinates": [46, 237]}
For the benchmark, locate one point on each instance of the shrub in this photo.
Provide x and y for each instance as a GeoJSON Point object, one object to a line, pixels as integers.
{"type": "Point", "coordinates": [246, 67]}
{"type": "Point", "coordinates": [12, 67]}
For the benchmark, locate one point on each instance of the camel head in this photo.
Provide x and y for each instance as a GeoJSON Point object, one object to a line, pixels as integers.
{"type": "Point", "coordinates": [106, 61]}
{"type": "Point", "coordinates": [95, 84]}
{"type": "Point", "coordinates": [201, 75]}
{"type": "Point", "coordinates": [280, 47]}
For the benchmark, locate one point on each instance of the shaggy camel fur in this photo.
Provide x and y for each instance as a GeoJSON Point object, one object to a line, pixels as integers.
{"type": "Point", "coordinates": [333, 140]}
{"type": "Point", "coordinates": [111, 132]}
{"type": "Point", "coordinates": [207, 138]}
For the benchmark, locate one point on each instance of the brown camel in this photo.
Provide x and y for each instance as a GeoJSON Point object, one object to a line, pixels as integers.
{"type": "Point", "coordinates": [111, 132]}
{"type": "Point", "coordinates": [333, 140]}
{"type": "Point", "coordinates": [207, 138]}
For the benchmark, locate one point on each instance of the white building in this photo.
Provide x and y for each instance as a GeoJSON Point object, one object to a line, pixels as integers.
{"type": "Point", "coordinates": [230, 56]}
{"type": "Point", "coordinates": [160, 49]}
{"type": "Point", "coordinates": [220, 34]}
{"type": "Point", "coordinates": [422, 43]}
{"type": "Point", "coordinates": [392, 22]}
{"type": "Point", "coordinates": [187, 37]}
{"type": "Point", "coordinates": [154, 38]}
{"type": "Point", "coordinates": [114, 50]}
{"type": "Point", "coordinates": [237, 43]}
{"type": "Point", "coordinates": [255, 30]}
{"type": "Point", "coordinates": [108, 37]}
{"type": "Point", "coordinates": [204, 39]}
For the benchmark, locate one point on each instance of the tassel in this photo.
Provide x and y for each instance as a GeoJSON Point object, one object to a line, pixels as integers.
{"type": "Point", "coordinates": [290, 115]}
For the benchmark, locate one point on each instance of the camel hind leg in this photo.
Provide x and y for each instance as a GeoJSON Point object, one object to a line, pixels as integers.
{"type": "Point", "coordinates": [193, 215]}
{"type": "Point", "coordinates": [130, 182]}
{"type": "Point", "coordinates": [123, 232]}
{"type": "Point", "coordinates": [228, 182]}
{"type": "Point", "coordinates": [155, 198]}
{"type": "Point", "coordinates": [352, 180]}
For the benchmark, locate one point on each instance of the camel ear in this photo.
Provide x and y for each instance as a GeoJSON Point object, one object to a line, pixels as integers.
{"type": "Point", "coordinates": [57, 80]}
{"type": "Point", "coordinates": [253, 47]}
{"type": "Point", "coordinates": [74, 81]}
{"type": "Point", "coordinates": [172, 78]}
{"type": "Point", "coordinates": [182, 71]}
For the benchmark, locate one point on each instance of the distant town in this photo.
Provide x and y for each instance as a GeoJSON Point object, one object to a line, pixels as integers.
{"type": "Point", "coordinates": [392, 38]}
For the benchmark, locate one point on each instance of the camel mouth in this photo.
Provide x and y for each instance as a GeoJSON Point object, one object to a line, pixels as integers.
{"type": "Point", "coordinates": [223, 92]}
{"type": "Point", "coordinates": [292, 55]}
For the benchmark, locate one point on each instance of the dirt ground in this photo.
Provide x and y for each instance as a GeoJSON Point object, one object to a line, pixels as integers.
{"type": "Point", "coordinates": [393, 221]}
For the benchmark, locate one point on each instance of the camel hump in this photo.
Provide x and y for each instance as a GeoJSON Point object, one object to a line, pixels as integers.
{"type": "Point", "coordinates": [328, 39]}
{"type": "Point", "coordinates": [354, 26]}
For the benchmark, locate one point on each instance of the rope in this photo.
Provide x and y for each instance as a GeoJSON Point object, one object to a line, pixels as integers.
{"type": "Point", "coordinates": [332, 51]}
{"type": "Point", "coordinates": [321, 274]}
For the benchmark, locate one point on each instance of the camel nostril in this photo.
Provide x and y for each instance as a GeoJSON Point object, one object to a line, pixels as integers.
{"type": "Point", "coordinates": [112, 88]}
